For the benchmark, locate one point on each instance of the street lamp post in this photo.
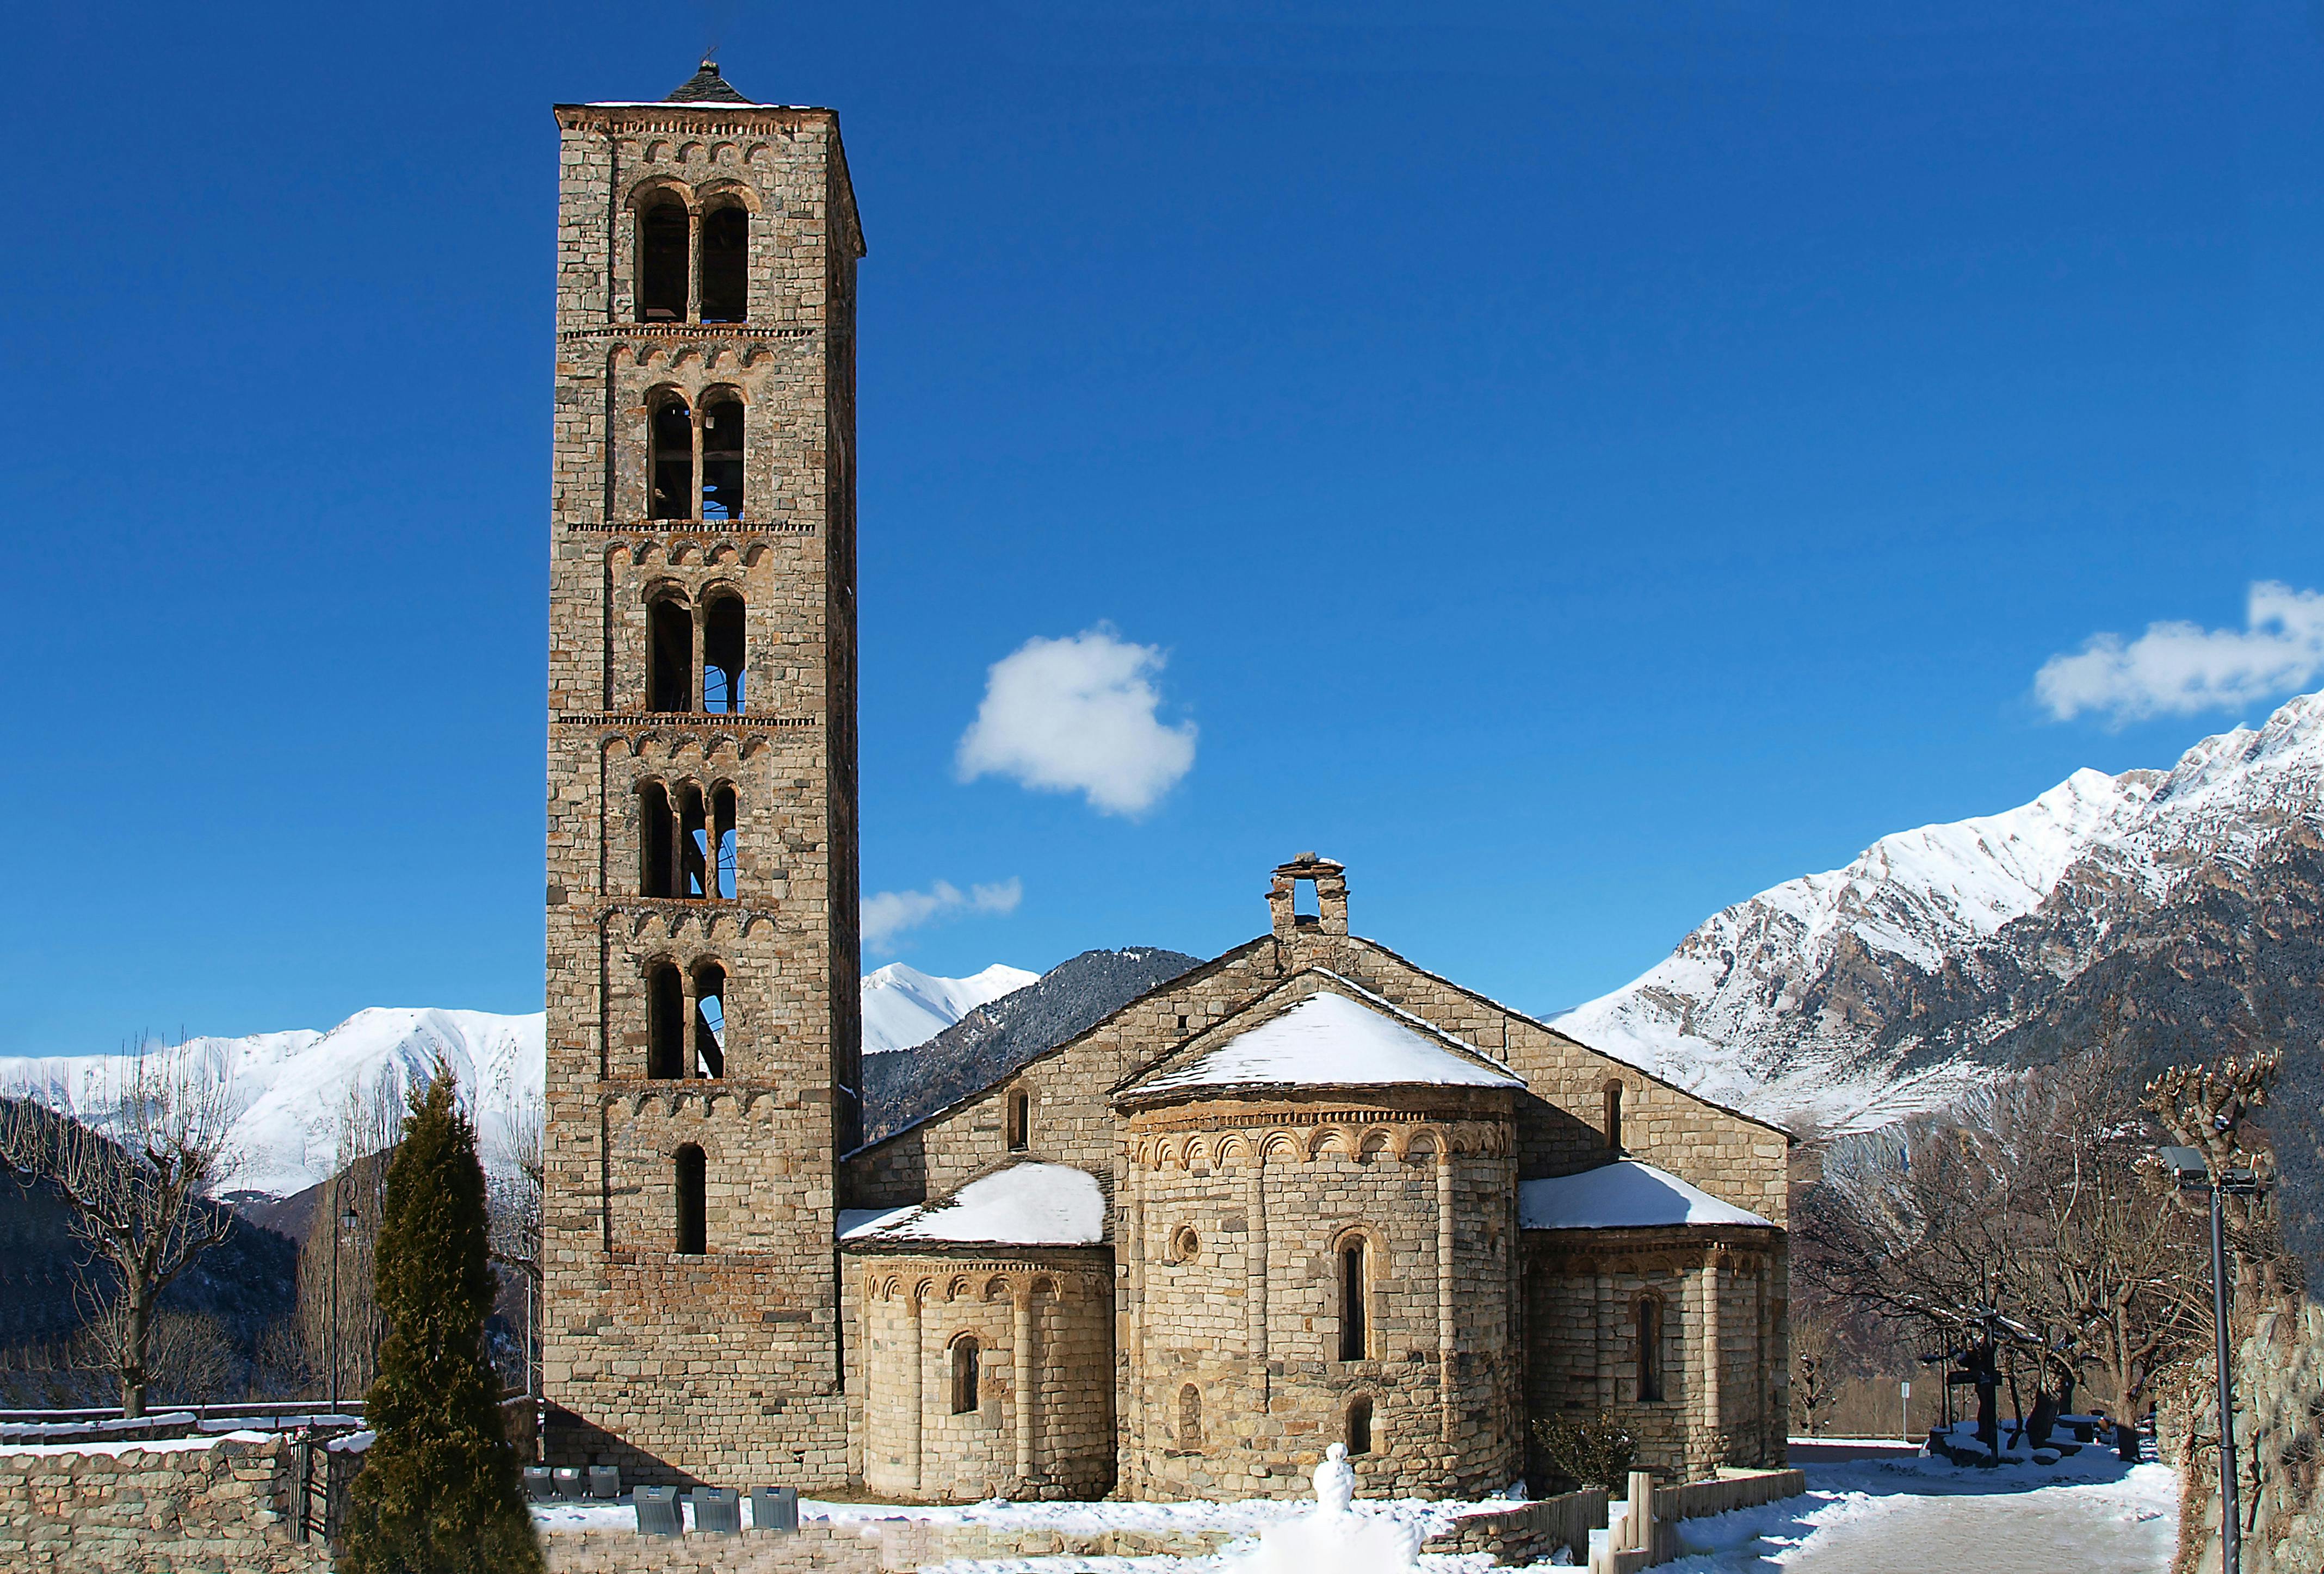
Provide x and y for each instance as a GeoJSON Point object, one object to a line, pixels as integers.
{"type": "Point", "coordinates": [2192, 1173]}
{"type": "Point", "coordinates": [346, 1225]}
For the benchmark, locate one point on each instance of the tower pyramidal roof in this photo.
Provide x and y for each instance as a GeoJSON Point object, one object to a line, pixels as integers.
{"type": "Point", "coordinates": [706, 86]}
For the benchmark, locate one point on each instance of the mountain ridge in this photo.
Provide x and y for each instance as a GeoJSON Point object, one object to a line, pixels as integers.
{"type": "Point", "coordinates": [1840, 1001]}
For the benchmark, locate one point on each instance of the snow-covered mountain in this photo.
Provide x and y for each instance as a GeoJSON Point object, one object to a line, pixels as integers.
{"type": "Point", "coordinates": [903, 1006]}
{"type": "Point", "coordinates": [290, 1090]}
{"type": "Point", "coordinates": [1841, 1000]}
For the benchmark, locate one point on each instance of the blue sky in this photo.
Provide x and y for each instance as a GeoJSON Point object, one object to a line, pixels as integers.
{"type": "Point", "coordinates": [1579, 465]}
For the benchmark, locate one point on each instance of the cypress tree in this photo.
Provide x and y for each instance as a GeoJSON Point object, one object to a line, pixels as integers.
{"type": "Point", "coordinates": [439, 1489]}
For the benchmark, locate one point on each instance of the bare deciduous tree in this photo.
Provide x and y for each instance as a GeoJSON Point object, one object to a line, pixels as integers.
{"type": "Point", "coordinates": [2033, 1200]}
{"type": "Point", "coordinates": [134, 1151]}
{"type": "Point", "coordinates": [514, 1199]}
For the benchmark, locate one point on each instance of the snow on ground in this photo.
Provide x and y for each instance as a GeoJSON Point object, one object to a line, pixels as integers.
{"type": "Point", "coordinates": [157, 1446]}
{"type": "Point", "coordinates": [1862, 1513]}
{"type": "Point", "coordinates": [1027, 1204]}
{"type": "Point", "coordinates": [1915, 1514]}
{"type": "Point", "coordinates": [1328, 1040]}
{"type": "Point", "coordinates": [1623, 1195]}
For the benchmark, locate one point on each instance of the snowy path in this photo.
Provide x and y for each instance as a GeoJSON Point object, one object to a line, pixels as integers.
{"type": "Point", "coordinates": [2089, 1514]}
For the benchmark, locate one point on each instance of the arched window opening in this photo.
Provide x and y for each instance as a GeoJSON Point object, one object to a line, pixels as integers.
{"type": "Point", "coordinates": [726, 264]}
{"type": "Point", "coordinates": [1614, 1116]}
{"type": "Point", "coordinates": [662, 263]}
{"type": "Point", "coordinates": [657, 842]}
{"type": "Point", "coordinates": [693, 1221]}
{"type": "Point", "coordinates": [721, 654]}
{"type": "Point", "coordinates": [722, 460]}
{"type": "Point", "coordinates": [669, 655]}
{"type": "Point", "coordinates": [693, 845]}
{"type": "Point", "coordinates": [1359, 1424]}
{"type": "Point", "coordinates": [670, 472]}
{"type": "Point", "coordinates": [1355, 1336]}
{"type": "Point", "coordinates": [724, 819]}
{"type": "Point", "coordinates": [1650, 1347]}
{"type": "Point", "coordinates": [665, 1023]}
{"type": "Point", "coordinates": [1189, 1417]}
{"type": "Point", "coordinates": [964, 1375]}
{"type": "Point", "coordinates": [1020, 1121]}
{"type": "Point", "coordinates": [710, 1020]}
{"type": "Point", "coordinates": [1185, 1246]}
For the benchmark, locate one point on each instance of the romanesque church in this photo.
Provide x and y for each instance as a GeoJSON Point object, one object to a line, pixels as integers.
{"type": "Point", "coordinates": [1304, 1193]}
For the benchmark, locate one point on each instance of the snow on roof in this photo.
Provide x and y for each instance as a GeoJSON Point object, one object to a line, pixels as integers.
{"type": "Point", "coordinates": [1328, 1040]}
{"type": "Point", "coordinates": [1623, 1195]}
{"type": "Point", "coordinates": [1027, 1204]}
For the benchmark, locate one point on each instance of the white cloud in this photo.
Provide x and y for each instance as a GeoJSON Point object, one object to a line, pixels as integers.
{"type": "Point", "coordinates": [2175, 668]}
{"type": "Point", "coordinates": [889, 913]}
{"type": "Point", "coordinates": [1077, 715]}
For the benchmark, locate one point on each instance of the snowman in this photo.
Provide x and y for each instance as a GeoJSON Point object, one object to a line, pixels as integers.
{"type": "Point", "coordinates": [1335, 1480]}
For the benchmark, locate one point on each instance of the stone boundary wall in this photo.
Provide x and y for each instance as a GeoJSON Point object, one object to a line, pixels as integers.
{"type": "Point", "coordinates": [834, 1549]}
{"type": "Point", "coordinates": [132, 1510]}
{"type": "Point", "coordinates": [2279, 1370]}
{"type": "Point", "coordinates": [1531, 1532]}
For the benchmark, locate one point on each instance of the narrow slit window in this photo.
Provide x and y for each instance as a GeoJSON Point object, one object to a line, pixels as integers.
{"type": "Point", "coordinates": [669, 655]}
{"type": "Point", "coordinates": [1614, 1116]}
{"type": "Point", "coordinates": [670, 469]}
{"type": "Point", "coordinates": [665, 1023]}
{"type": "Point", "coordinates": [662, 263]}
{"type": "Point", "coordinates": [1020, 1121]}
{"type": "Point", "coordinates": [964, 1375]}
{"type": "Point", "coordinates": [1354, 1314]}
{"type": "Point", "coordinates": [693, 1211]}
{"type": "Point", "coordinates": [722, 460]}
{"type": "Point", "coordinates": [722, 656]}
{"type": "Point", "coordinates": [710, 1021]}
{"type": "Point", "coordinates": [727, 265]}
{"type": "Point", "coordinates": [1359, 1424]}
{"type": "Point", "coordinates": [1189, 1417]}
{"type": "Point", "coordinates": [1650, 1347]}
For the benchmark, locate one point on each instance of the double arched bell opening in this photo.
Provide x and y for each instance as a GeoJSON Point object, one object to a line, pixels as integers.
{"type": "Point", "coordinates": [694, 467]}
{"type": "Point", "coordinates": [694, 263]}
{"type": "Point", "coordinates": [686, 1021]}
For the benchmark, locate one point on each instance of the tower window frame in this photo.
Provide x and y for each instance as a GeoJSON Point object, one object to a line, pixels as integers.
{"type": "Point", "coordinates": [1018, 1120]}
{"type": "Point", "coordinates": [673, 457]}
{"type": "Point", "coordinates": [726, 650]}
{"type": "Point", "coordinates": [690, 1172]}
{"type": "Point", "coordinates": [723, 428]}
{"type": "Point", "coordinates": [669, 653]}
{"type": "Point", "coordinates": [1359, 1425]}
{"type": "Point", "coordinates": [1613, 1102]}
{"type": "Point", "coordinates": [724, 260]}
{"type": "Point", "coordinates": [665, 239]}
{"type": "Point", "coordinates": [665, 1021]}
{"type": "Point", "coordinates": [1190, 1416]}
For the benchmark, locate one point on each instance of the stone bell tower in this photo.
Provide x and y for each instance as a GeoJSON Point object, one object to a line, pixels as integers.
{"type": "Point", "coordinates": [703, 1011]}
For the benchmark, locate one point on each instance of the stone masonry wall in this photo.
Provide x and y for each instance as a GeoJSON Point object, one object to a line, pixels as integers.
{"type": "Point", "coordinates": [1235, 1216]}
{"type": "Point", "coordinates": [1043, 1326]}
{"type": "Point", "coordinates": [151, 1511]}
{"type": "Point", "coordinates": [724, 1363]}
{"type": "Point", "coordinates": [1583, 1294]}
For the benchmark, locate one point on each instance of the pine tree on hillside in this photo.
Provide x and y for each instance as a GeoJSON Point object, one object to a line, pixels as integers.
{"type": "Point", "coordinates": [439, 1489]}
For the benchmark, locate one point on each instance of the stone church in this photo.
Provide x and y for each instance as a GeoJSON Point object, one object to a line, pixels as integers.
{"type": "Point", "coordinates": [1305, 1193]}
